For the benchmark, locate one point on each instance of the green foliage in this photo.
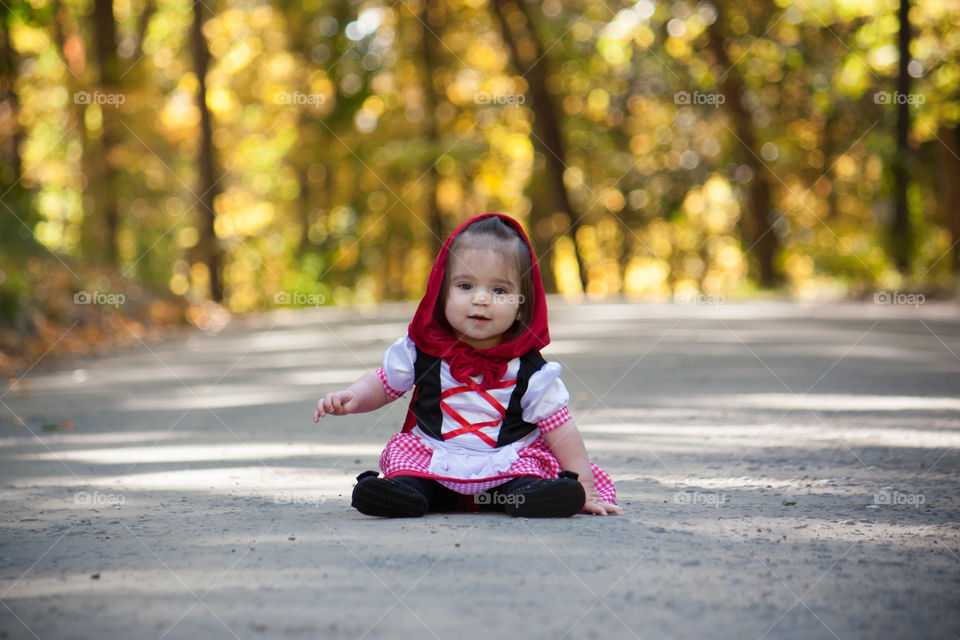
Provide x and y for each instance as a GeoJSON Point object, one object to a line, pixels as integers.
{"type": "Point", "coordinates": [341, 145]}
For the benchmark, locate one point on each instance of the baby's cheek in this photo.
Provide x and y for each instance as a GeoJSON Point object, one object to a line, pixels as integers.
{"type": "Point", "coordinates": [449, 306]}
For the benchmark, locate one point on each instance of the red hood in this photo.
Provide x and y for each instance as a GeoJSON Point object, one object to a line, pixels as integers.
{"type": "Point", "coordinates": [465, 361]}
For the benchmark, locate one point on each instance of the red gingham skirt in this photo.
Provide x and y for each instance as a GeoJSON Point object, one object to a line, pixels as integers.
{"type": "Point", "coordinates": [406, 455]}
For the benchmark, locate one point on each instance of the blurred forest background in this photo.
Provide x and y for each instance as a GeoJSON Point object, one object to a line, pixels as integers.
{"type": "Point", "coordinates": [171, 161]}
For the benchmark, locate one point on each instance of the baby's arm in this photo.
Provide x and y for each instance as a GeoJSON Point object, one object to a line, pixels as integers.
{"type": "Point", "coordinates": [571, 453]}
{"type": "Point", "coordinates": [366, 394]}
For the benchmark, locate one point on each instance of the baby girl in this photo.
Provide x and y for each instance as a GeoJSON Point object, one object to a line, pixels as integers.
{"type": "Point", "coordinates": [488, 419]}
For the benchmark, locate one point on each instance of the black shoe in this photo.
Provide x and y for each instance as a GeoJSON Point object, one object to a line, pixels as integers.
{"type": "Point", "coordinates": [387, 497]}
{"type": "Point", "coordinates": [542, 498]}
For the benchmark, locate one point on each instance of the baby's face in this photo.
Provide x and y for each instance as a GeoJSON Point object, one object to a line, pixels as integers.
{"type": "Point", "coordinates": [483, 296]}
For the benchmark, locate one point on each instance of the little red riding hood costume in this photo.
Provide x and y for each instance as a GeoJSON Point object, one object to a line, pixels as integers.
{"type": "Point", "coordinates": [477, 416]}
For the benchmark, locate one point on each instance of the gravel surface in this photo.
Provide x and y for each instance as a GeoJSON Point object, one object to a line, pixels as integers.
{"type": "Point", "coordinates": [786, 471]}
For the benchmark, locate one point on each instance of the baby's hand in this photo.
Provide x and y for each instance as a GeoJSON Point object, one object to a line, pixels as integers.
{"type": "Point", "coordinates": [596, 505]}
{"type": "Point", "coordinates": [336, 403]}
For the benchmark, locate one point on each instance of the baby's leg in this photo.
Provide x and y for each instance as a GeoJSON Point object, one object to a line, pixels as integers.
{"type": "Point", "coordinates": [401, 496]}
{"type": "Point", "coordinates": [532, 497]}
{"type": "Point", "coordinates": [396, 497]}
{"type": "Point", "coordinates": [439, 497]}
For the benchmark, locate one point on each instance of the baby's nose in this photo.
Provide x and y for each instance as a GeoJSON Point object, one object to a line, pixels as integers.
{"type": "Point", "coordinates": [480, 295]}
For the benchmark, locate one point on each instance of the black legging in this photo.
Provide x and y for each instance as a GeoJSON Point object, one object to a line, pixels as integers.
{"type": "Point", "coordinates": [441, 498]}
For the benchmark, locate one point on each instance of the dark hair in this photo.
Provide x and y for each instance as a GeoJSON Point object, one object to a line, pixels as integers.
{"type": "Point", "coordinates": [495, 234]}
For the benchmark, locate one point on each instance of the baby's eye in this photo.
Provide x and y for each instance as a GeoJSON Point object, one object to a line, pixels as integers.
{"type": "Point", "coordinates": [465, 286]}
{"type": "Point", "coordinates": [500, 291]}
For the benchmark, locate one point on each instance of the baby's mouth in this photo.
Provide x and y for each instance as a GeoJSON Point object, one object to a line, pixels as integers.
{"type": "Point", "coordinates": [477, 317]}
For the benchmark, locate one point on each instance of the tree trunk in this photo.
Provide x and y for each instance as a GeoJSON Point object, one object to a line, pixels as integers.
{"type": "Point", "coordinates": [104, 179]}
{"type": "Point", "coordinates": [303, 155]}
{"type": "Point", "coordinates": [10, 172]}
{"type": "Point", "coordinates": [303, 206]}
{"type": "Point", "coordinates": [758, 233]}
{"type": "Point", "coordinates": [526, 54]}
{"type": "Point", "coordinates": [431, 18]}
{"type": "Point", "coordinates": [901, 235]}
{"type": "Point", "coordinates": [208, 245]}
{"type": "Point", "coordinates": [16, 212]}
{"type": "Point", "coordinates": [91, 243]}
{"type": "Point", "coordinates": [949, 163]}
{"type": "Point", "coordinates": [143, 21]}
{"type": "Point", "coordinates": [105, 45]}
{"type": "Point", "coordinates": [829, 127]}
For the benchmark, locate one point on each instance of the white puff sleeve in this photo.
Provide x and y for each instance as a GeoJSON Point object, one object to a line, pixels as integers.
{"type": "Point", "coordinates": [545, 402]}
{"type": "Point", "coordinates": [397, 372]}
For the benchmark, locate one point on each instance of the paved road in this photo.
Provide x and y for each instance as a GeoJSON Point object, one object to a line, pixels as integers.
{"type": "Point", "coordinates": [195, 498]}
